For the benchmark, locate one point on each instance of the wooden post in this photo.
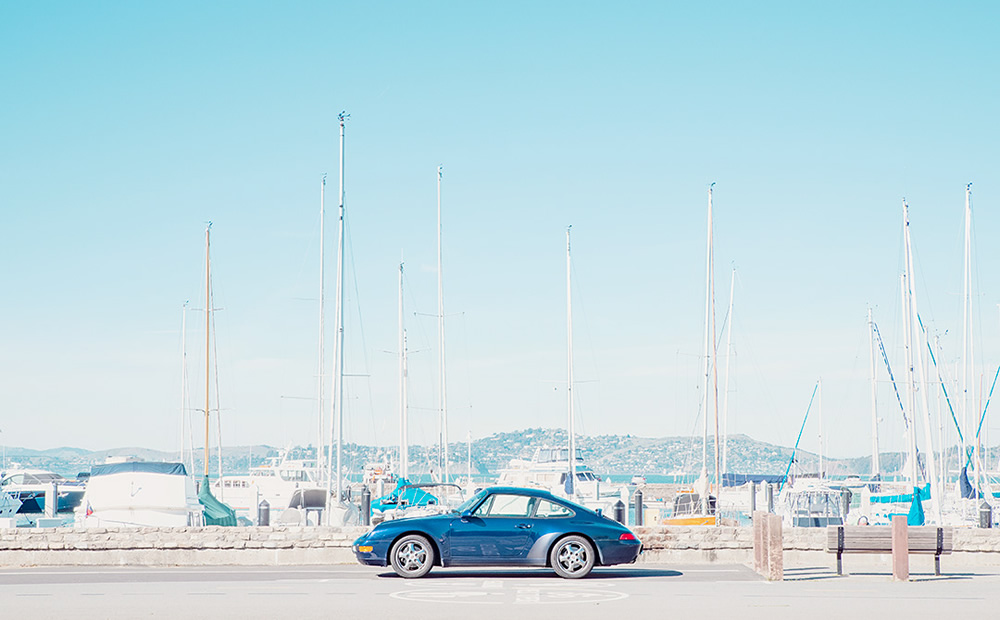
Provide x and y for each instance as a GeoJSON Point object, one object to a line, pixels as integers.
{"type": "Point", "coordinates": [759, 523]}
{"type": "Point", "coordinates": [900, 549]}
{"type": "Point", "coordinates": [775, 549]}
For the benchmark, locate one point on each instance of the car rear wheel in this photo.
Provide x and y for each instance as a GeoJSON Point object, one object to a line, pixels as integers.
{"type": "Point", "coordinates": [412, 556]}
{"type": "Point", "coordinates": [572, 557]}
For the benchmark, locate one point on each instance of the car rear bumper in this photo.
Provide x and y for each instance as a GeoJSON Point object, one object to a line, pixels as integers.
{"type": "Point", "coordinates": [623, 552]}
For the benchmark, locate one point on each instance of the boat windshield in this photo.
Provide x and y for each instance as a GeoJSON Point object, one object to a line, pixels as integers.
{"type": "Point", "coordinates": [472, 501]}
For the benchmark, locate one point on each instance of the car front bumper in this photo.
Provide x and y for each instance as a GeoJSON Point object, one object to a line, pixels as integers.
{"type": "Point", "coordinates": [369, 553]}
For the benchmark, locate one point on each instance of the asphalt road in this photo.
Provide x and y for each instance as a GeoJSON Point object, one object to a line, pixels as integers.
{"type": "Point", "coordinates": [630, 593]}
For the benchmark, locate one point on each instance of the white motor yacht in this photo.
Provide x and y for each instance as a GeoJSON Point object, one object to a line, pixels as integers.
{"type": "Point", "coordinates": [139, 494]}
{"type": "Point", "coordinates": [276, 482]}
{"type": "Point", "coordinates": [549, 468]}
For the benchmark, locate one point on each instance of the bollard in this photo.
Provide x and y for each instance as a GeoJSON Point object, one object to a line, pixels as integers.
{"type": "Point", "coordinates": [366, 506]}
{"type": "Point", "coordinates": [753, 499]}
{"type": "Point", "coordinates": [845, 503]}
{"type": "Point", "coordinates": [900, 549]}
{"type": "Point", "coordinates": [775, 549]}
{"type": "Point", "coordinates": [769, 496]}
{"type": "Point", "coordinates": [52, 500]}
{"type": "Point", "coordinates": [985, 515]}
{"type": "Point", "coordinates": [638, 507]}
{"type": "Point", "coordinates": [760, 558]}
{"type": "Point", "coordinates": [620, 512]}
{"type": "Point", "coordinates": [263, 513]}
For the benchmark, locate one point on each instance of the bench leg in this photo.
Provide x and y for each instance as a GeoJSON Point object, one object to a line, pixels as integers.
{"type": "Point", "coordinates": [840, 564]}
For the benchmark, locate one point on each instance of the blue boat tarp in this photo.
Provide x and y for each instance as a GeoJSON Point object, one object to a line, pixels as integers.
{"type": "Point", "coordinates": [151, 467]}
{"type": "Point", "coordinates": [738, 480]}
{"type": "Point", "coordinates": [964, 486]}
{"type": "Point", "coordinates": [923, 492]}
{"type": "Point", "coordinates": [404, 494]}
{"type": "Point", "coordinates": [215, 512]}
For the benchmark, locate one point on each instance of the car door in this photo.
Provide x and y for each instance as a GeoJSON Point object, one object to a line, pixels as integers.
{"type": "Point", "coordinates": [499, 531]}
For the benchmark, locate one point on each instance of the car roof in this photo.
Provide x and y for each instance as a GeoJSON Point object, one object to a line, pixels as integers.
{"type": "Point", "coordinates": [522, 491]}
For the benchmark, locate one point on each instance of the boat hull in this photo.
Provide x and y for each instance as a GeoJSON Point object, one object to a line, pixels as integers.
{"type": "Point", "coordinates": [690, 520]}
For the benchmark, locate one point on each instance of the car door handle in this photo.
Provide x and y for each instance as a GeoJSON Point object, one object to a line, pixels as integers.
{"type": "Point", "coordinates": [523, 526]}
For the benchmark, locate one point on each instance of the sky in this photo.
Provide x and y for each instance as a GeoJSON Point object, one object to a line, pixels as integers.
{"type": "Point", "coordinates": [126, 127]}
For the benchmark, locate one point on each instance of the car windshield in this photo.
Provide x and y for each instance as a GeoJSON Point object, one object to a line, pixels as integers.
{"type": "Point", "coordinates": [472, 501]}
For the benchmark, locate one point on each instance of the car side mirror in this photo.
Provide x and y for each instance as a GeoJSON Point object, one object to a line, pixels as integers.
{"type": "Point", "coordinates": [466, 514]}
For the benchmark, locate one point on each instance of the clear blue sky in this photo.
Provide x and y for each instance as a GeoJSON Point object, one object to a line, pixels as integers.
{"type": "Point", "coordinates": [125, 127]}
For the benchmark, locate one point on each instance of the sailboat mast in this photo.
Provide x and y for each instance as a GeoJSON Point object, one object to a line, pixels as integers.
{"type": "Point", "coordinates": [967, 365]}
{"type": "Point", "coordinates": [908, 357]}
{"type": "Point", "coordinates": [922, 373]}
{"type": "Point", "coordinates": [876, 466]}
{"type": "Point", "coordinates": [336, 477]}
{"type": "Point", "coordinates": [729, 359]}
{"type": "Point", "coordinates": [820, 403]}
{"type": "Point", "coordinates": [320, 436]}
{"type": "Point", "coordinates": [208, 335]}
{"type": "Point", "coordinates": [711, 341]}
{"type": "Point", "coordinates": [184, 412]}
{"type": "Point", "coordinates": [404, 459]}
{"type": "Point", "coordinates": [569, 364]}
{"type": "Point", "coordinates": [708, 342]}
{"type": "Point", "coordinates": [441, 372]}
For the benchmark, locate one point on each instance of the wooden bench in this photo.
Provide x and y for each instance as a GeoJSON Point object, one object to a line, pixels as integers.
{"type": "Point", "coordinates": [841, 539]}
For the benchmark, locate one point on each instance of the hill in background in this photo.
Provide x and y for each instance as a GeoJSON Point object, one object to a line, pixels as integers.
{"type": "Point", "coordinates": [606, 454]}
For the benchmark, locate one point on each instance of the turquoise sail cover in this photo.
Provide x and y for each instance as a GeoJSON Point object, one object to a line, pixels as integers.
{"type": "Point", "coordinates": [924, 493]}
{"type": "Point", "coordinates": [216, 513]}
{"type": "Point", "coordinates": [916, 515]}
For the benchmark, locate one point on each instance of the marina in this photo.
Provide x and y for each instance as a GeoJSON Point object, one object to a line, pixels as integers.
{"type": "Point", "coordinates": [522, 309]}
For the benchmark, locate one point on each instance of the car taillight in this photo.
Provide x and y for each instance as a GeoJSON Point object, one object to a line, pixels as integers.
{"type": "Point", "coordinates": [627, 536]}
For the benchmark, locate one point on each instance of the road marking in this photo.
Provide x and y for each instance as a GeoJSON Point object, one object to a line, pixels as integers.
{"type": "Point", "coordinates": [496, 594]}
{"type": "Point", "coordinates": [528, 596]}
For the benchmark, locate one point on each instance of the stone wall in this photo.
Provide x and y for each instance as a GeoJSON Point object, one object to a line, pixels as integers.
{"type": "Point", "coordinates": [213, 545]}
{"type": "Point", "coordinates": [288, 545]}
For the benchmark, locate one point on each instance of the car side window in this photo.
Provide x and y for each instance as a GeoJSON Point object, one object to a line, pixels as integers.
{"type": "Point", "coordinates": [484, 509]}
{"type": "Point", "coordinates": [547, 509]}
{"type": "Point", "coordinates": [505, 506]}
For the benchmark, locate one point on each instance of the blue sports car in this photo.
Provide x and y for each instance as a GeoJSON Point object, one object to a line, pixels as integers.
{"type": "Point", "coordinates": [501, 526]}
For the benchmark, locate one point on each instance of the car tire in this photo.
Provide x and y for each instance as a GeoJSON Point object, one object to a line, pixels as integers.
{"type": "Point", "coordinates": [412, 556]}
{"type": "Point", "coordinates": [572, 557]}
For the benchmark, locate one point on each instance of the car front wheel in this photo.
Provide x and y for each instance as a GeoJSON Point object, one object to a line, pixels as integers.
{"type": "Point", "coordinates": [412, 556]}
{"type": "Point", "coordinates": [572, 557]}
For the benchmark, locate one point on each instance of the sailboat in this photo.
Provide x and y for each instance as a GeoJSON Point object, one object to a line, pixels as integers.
{"type": "Point", "coordinates": [216, 512]}
{"type": "Point", "coordinates": [923, 484]}
{"type": "Point", "coordinates": [135, 493]}
{"type": "Point", "coordinates": [338, 511]}
{"type": "Point", "coordinates": [561, 470]}
{"type": "Point", "coordinates": [697, 505]}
